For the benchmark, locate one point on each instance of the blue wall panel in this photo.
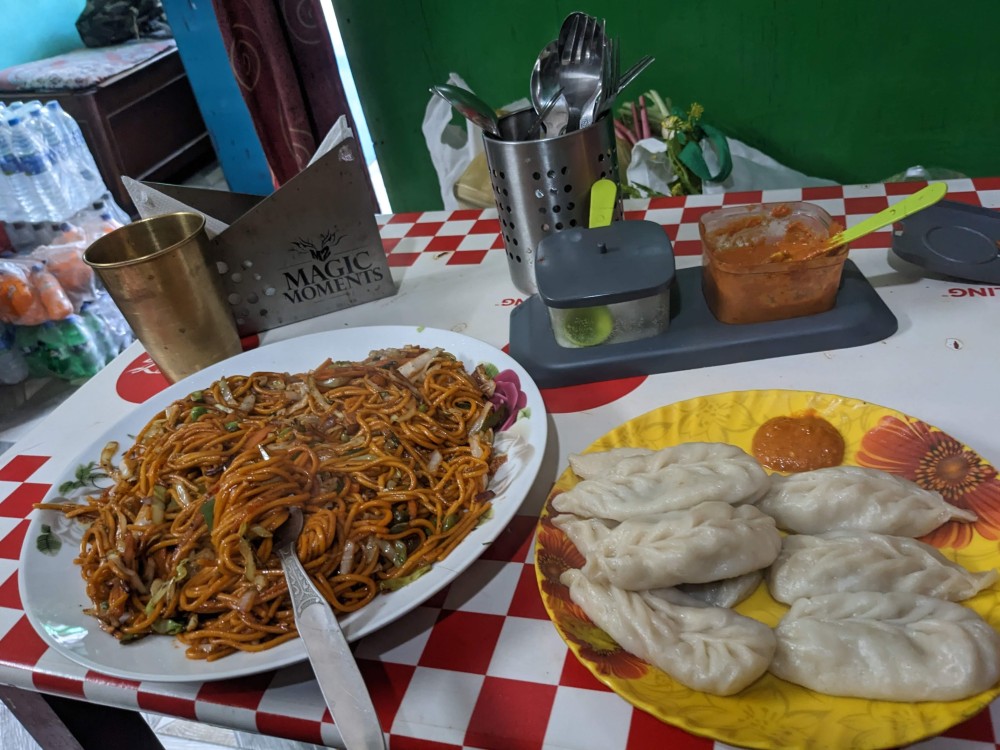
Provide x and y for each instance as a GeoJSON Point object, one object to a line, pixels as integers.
{"type": "Point", "coordinates": [204, 55]}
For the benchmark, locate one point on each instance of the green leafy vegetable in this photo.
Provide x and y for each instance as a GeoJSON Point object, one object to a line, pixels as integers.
{"type": "Point", "coordinates": [85, 474]}
{"type": "Point", "coordinates": [197, 412]}
{"type": "Point", "coordinates": [491, 369]}
{"type": "Point", "coordinates": [48, 543]}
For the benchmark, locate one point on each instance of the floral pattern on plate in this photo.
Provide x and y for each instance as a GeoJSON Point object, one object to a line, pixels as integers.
{"type": "Point", "coordinates": [771, 712]}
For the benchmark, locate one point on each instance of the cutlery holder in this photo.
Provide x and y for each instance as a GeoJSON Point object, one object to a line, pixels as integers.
{"type": "Point", "coordinates": [543, 186]}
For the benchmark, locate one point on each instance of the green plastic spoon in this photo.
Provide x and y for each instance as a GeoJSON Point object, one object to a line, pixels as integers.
{"type": "Point", "coordinates": [920, 200]}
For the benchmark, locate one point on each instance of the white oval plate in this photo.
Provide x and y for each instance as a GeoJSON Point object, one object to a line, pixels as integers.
{"type": "Point", "coordinates": [52, 589]}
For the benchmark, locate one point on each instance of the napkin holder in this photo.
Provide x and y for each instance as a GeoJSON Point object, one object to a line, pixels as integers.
{"type": "Point", "coordinates": [310, 248]}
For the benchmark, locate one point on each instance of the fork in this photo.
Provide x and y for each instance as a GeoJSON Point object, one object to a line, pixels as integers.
{"type": "Point", "coordinates": [595, 104]}
{"type": "Point", "coordinates": [580, 43]}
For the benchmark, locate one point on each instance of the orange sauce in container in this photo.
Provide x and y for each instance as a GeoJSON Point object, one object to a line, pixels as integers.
{"type": "Point", "coordinates": [741, 281]}
{"type": "Point", "coordinates": [798, 443]}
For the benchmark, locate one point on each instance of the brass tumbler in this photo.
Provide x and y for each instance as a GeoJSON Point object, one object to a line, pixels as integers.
{"type": "Point", "coordinates": [160, 274]}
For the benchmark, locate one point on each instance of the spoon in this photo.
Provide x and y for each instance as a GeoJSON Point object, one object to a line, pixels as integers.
{"type": "Point", "coordinates": [920, 200]}
{"type": "Point", "coordinates": [545, 88]}
{"type": "Point", "coordinates": [470, 106]}
{"type": "Point", "coordinates": [337, 673]}
{"type": "Point", "coordinates": [543, 113]}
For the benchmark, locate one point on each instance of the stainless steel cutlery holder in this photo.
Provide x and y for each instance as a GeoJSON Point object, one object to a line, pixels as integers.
{"type": "Point", "coordinates": [543, 186]}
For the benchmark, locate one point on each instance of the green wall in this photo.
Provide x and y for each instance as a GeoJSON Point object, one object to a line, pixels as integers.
{"type": "Point", "coordinates": [34, 29]}
{"type": "Point", "coordinates": [851, 90]}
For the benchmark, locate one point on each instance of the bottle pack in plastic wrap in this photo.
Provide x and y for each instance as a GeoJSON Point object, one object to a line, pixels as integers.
{"type": "Point", "coordinates": [13, 367]}
{"type": "Point", "coordinates": [47, 172]}
{"type": "Point", "coordinates": [51, 302]}
{"type": "Point", "coordinates": [78, 346]}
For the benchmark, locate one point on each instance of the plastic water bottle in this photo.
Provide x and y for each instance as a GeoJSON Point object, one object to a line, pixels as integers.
{"type": "Point", "coordinates": [21, 235]}
{"type": "Point", "coordinates": [18, 191]}
{"type": "Point", "coordinates": [107, 203]}
{"type": "Point", "coordinates": [13, 367]}
{"type": "Point", "coordinates": [80, 154]}
{"type": "Point", "coordinates": [57, 150]}
{"type": "Point", "coordinates": [46, 199]}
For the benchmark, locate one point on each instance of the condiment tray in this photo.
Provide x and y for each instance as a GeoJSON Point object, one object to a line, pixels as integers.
{"type": "Point", "coordinates": [695, 338]}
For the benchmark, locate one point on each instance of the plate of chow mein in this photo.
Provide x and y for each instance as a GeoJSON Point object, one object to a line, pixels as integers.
{"type": "Point", "coordinates": [407, 449]}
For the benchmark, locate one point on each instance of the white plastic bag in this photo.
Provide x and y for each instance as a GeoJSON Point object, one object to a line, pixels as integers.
{"type": "Point", "coordinates": [452, 148]}
{"type": "Point", "coordinates": [752, 169]}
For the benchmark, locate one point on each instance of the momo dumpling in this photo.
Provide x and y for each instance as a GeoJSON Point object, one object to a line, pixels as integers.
{"type": "Point", "coordinates": [708, 542]}
{"type": "Point", "coordinates": [725, 593]}
{"type": "Point", "coordinates": [711, 649]}
{"type": "Point", "coordinates": [719, 472]}
{"type": "Point", "coordinates": [892, 646]}
{"type": "Point", "coordinates": [587, 534]}
{"type": "Point", "coordinates": [621, 462]}
{"type": "Point", "coordinates": [603, 463]}
{"type": "Point", "coordinates": [856, 498]}
{"type": "Point", "coordinates": [839, 561]}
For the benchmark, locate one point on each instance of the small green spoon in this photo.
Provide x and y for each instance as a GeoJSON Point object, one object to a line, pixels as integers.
{"type": "Point", "coordinates": [920, 200]}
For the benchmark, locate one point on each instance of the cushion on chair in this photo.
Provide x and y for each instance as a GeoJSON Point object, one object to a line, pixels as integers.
{"type": "Point", "coordinates": [81, 68]}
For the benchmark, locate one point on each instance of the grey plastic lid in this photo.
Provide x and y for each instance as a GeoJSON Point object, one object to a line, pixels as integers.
{"type": "Point", "coordinates": [625, 261]}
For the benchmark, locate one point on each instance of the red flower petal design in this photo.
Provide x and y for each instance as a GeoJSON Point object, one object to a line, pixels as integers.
{"type": "Point", "coordinates": [936, 461]}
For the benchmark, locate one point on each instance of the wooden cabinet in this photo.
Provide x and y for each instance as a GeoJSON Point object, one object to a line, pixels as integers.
{"type": "Point", "coordinates": [143, 123]}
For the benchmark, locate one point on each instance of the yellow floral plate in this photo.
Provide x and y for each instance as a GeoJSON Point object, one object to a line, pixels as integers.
{"type": "Point", "coordinates": [771, 712]}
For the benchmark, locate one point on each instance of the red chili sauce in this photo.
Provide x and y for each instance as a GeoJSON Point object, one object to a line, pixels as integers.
{"type": "Point", "coordinates": [801, 442]}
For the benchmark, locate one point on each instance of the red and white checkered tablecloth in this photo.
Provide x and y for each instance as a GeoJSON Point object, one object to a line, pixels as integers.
{"type": "Point", "coordinates": [480, 665]}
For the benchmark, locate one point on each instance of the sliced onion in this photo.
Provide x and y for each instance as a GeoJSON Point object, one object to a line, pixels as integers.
{"type": "Point", "coordinates": [246, 601]}
{"type": "Point", "coordinates": [478, 424]}
{"type": "Point", "coordinates": [334, 382]}
{"type": "Point", "coordinates": [434, 461]}
{"type": "Point", "coordinates": [158, 509]}
{"type": "Point", "coordinates": [227, 395]}
{"type": "Point", "coordinates": [386, 548]}
{"type": "Point", "coordinates": [248, 403]}
{"type": "Point", "coordinates": [371, 551]}
{"type": "Point", "coordinates": [181, 493]}
{"type": "Point", "coordinates": [107, 454]}
{"type": "Point", "coordinates": [347, 558]}
{"type": "Point", "coordinates": [314, 391]}
{"type": "Point", "coordinates": [475, 446]}
{"type": "Point", "coordinates": [414, 369]}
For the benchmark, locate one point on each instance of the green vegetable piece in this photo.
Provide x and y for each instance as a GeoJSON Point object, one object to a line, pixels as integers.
{"type": "Point", "coordinates": [197, 412]}
{"type": "Point", "coordinates": [393, 584]}
{"type": "Point", "coordinates": [588, 326]}
{"type": "Point", "coordinates": [232, 426]}
{"type": "Point", "coordinates": [449, 521]}
{"type": "Point", "coordinates": [400, 557]}
{"type": "Point", "coordinates": [85, 474]}
{"type": "Point", "coordinates": [168, 627]}
{"type": "Point", "coordinates": [208, 511]}
{"type": "Point", "coordinates": [491, 369]}
{"type": "Point", "coordinates": [48, 543]}
{"type": "Point", "coordinates": [197, 396]}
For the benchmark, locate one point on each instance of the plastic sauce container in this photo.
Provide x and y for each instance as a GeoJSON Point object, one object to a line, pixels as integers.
{"type": "Point", "coordinates": [606, 285]}
{"type": "Point", "coordinates": [741, 281]}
